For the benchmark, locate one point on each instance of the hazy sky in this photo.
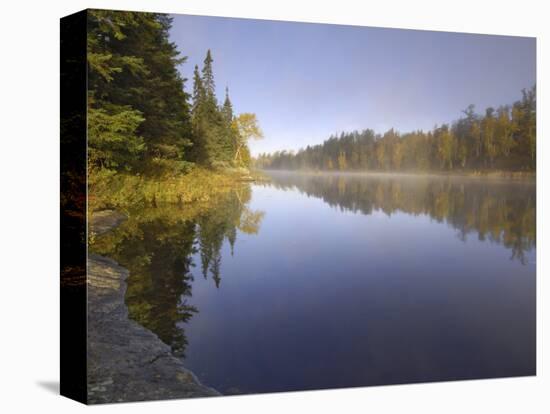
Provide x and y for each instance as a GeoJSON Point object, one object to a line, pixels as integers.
{"type": "Point", "coordinates": [305, 81]}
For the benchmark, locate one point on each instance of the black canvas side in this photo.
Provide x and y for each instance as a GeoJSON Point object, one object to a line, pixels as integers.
{"type": "Point", "coordinates": [73, 207]}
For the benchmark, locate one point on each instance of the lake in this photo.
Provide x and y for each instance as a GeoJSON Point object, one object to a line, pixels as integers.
{"type": "Point", "coordinates": [319, 281]}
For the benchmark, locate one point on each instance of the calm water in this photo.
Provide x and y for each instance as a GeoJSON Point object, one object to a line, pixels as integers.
{"type": "Point", "coordinates": [321, 281]}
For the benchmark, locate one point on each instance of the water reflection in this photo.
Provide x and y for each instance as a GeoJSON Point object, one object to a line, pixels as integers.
{"type": "Point", "coordinates": [499, 211]}
{"type": "Point", "coordinates": [407, 300]}
{"type": "Point", "coordinates": [157, 246]}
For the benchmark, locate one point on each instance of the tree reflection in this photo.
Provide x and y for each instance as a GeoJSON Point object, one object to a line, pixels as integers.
{"type": "Point", "coordinates": [157, 245]}
{"type": "Point", "coordinates": [499, 211]}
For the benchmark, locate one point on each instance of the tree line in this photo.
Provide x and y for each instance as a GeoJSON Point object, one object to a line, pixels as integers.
{"type": "Point", "coordinates": [501, 139]}
{"type": "Point", "coordinates": [140, 116]}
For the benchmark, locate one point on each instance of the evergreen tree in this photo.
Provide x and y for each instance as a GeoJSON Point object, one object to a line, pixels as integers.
{"type": "Point", "coordinates": [227, 108]}
{"type": "Point", "coordinates": [198, 91]}
{"type": "Point", "coordinates": [208, 77]}
{"type": "Point", "coordinates": [211, 130]}
{"type": "Point", "coordinates": [230, 130]}
{"type": "Point", "coordinates": [140, 117]}
{"type": "Point", "coordinates": [198, 120]}
{"type": "Point", "coordinates": [138, 106]}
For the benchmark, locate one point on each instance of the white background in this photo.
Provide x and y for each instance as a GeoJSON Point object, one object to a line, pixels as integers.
{"type": "Point", "coordinates": [29, 194]}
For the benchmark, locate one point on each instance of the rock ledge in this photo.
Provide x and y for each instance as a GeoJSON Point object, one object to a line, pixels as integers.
{"type": "Point", "coordinates": [127, 362]}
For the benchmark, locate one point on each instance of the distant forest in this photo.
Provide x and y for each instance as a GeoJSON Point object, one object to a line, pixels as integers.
{"type": "Point", "coordinates": [141, 119]}
{"type": "Point", "coordinates": [501, 139]}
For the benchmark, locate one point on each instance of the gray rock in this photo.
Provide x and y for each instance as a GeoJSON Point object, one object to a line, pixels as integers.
{"type": "Point", "coordinates": [105, 220]}
{"type": "Point", "coordinates": [127, 362]}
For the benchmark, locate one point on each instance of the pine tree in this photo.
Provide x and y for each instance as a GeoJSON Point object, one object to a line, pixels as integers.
{"type": "Point", "coordinates": [231, 144]}
{"type": "Point", "coordinates": [214, 133]}
{"type": "Point", "coordinates": [134, 82]}
{"type": "Point", "coordinates": [198, 151]}
{"type": "Point", "coordinates": [227, 108]}
{"type": "Point", "coordinates": [208, 77]}
{"type": "Point", "coordinates": [198, 91]}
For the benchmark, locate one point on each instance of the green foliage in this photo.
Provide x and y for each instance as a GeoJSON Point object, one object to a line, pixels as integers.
{"type": "Point", "coordinates": [181, 183]}
{"type": "Point", "coordinates": [220, 137]}
{"type": "Point", "coordinates": [207, 121]}
{"type": "Point", "coordinates": [112, 138]}
{"type": "Point", "coordinates": [504, 139]}
{"type": "Point", "coordinates": [145, 139]}
{"type": "Point", "coordinates": [137, 104]}
{"type": "Point", "coordinates": [208, 78]}
{"type": "Point", "coordinates": [227, 108]}
{"type": "Point", "coordinates": [210, 128]}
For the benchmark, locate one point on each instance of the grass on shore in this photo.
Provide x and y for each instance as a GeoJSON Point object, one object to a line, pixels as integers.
{"type": "Point", "coordinates": [124, 190]}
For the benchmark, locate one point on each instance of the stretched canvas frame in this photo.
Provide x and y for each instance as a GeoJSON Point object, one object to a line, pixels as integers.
{"type": "Point", "coordinates": [108, 356]}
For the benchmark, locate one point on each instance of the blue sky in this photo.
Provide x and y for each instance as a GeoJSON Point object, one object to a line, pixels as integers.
{"type": "Point", "coordinates": [306, 81]}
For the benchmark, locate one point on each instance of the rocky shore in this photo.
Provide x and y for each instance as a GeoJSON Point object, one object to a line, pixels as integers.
{"type": "Point", "coordinates": [127, 362]}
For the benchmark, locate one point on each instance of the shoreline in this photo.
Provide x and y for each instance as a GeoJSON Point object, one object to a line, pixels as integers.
{"type": "Point", "coordinates": [127, 362]}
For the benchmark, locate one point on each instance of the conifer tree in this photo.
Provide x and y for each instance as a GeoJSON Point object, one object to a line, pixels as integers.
{"type": "Point", "coordinates": [138, 107]}
{"type": "Point", "coordinates": [208, 77]}
{"type": "Point", "coordinates": [227, 108]}
{"type": "Point", "coordinates": [199, 123]}
{"type": "Point", "coordinates": [198, 91]}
